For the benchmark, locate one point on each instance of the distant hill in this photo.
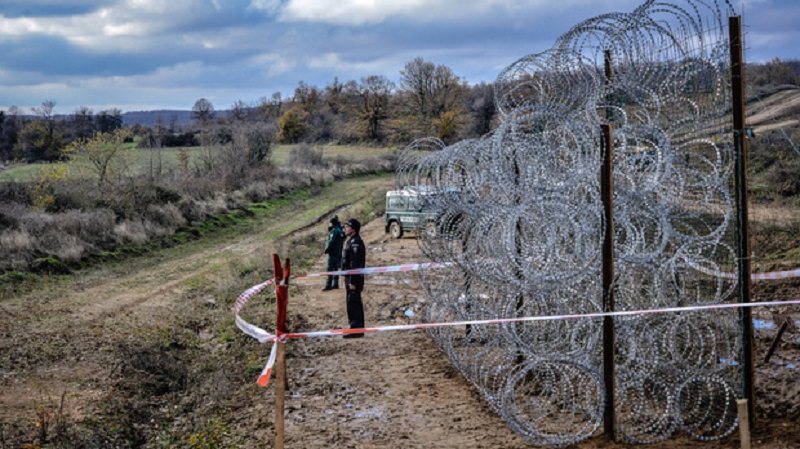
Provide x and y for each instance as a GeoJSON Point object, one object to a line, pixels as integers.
{"type": "Point", "coordinates": [779, 110]}
{"type": "Point", "coordinates": [148, 118]}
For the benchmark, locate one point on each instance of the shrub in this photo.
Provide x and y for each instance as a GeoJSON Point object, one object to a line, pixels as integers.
{"type": "Point", "coordinates": [15, 192]}
{"type": "Point", "coordinates": [94, 227]}
{"type": "Point", "coordinates": [16, 248]}
{"type": "Point", "coordinates": [259, 141]}
{"type": "Point", "coordinates": [193, 211]}
{"type": "Point", "coordinates": [257, 192]}
{"type": "Point", "coordinates": [305, 155]}
{"type": "Point", "coordinates": [217, 205]}
{"type": "Point", "coordinates": [131, 232]}
{"type": "Point", "coordinates": [166, 215]}
{"type": "Point", "coordinates": [68, 248]}
{"type": "Point", "coordinates": [10, 214]}
{"type": "Point", "coordinates": [187, 139]}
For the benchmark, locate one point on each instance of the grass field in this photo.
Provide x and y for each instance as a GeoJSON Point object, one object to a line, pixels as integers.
{"type": "Point", "coordinates": [142, 160]}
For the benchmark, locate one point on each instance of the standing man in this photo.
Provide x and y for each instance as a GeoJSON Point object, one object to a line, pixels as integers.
{"type": "Point", "coordinates": [353, 257]}
{"type": "Point", "coordinates": [333, 248]}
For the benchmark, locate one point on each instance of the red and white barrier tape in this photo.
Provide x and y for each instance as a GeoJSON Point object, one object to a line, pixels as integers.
{"type": "Point", "coordinates": [263, 378]}
{"type": "Point", "coordinates": [264, 337]}
{"type": "Point", "coordinates": [392, 269]}
{"type": "Point", "coordinates": [753, 276]}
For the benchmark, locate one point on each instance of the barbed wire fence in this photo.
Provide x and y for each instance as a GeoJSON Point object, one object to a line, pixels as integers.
{"type": "Point", "coordinates": [522, 224]}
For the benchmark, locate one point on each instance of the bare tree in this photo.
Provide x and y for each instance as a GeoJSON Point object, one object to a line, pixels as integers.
{"type": "Point", "coordinates": [371, 104]}
{"type": "Point", "coordinates": [427, 91]}
{"type": "Point", "coordinates": [203, 111]}
{"type": "Point", "coordinates": [82, 124]}
{"type": "Point", "coordinates": [239, 111]}
{"type": "Point", "coordinates": [271, 108]}
{"type": "Point", "coordinates": [46, 112]}
{"type": "Point", "coordinates": [307, 97]}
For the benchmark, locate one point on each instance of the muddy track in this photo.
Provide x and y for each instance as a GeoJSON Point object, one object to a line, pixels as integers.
{"type": "Point", "coordinates": [320, 219]}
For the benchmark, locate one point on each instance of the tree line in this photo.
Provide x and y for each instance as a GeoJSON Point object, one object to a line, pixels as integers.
{"type": "Point", "coordinates": [428, 100]}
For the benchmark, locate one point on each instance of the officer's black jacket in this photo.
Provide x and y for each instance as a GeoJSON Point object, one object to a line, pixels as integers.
{"type": "Point", "coordinates": [354, 254]}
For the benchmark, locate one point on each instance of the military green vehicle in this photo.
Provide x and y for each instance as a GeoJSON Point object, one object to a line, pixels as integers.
{"type": "Point", "coordinates": [412, 209]}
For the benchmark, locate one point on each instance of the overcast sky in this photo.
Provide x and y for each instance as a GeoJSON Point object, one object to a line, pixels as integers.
{"type": "Point", "coordinates": [166, 54]}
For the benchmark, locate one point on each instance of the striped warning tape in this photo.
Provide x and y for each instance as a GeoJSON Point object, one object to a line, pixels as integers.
{"type": "Point", "coordinates": [264, 336]}
{"type": "Point", "coordinates": [753, 276]}
{"type": "Point", "coordinates": [373, 270]}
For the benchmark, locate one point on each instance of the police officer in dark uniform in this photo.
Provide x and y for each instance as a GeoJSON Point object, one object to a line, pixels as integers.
{"type": "Point", "coordinates": [353, 257]}
{"type": "Point", "coordinates": [333, 248]}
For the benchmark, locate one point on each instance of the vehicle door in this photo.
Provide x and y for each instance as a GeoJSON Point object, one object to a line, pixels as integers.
{"type": "Point", "coordinates": [409, 218]}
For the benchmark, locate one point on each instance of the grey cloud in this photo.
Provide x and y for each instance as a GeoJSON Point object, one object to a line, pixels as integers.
{"type": "Point", "coordinates": [50, 8]}
{"type": "Point", "coordinates": [236, 49]}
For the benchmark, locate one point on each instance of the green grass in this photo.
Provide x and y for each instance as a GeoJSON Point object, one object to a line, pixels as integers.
{"type": "Point", "coordinates": [20, 172]}
{"type": "Point", "coordinates": [280, 153]}
{"type": "Point", "coordinates": [142, 160]}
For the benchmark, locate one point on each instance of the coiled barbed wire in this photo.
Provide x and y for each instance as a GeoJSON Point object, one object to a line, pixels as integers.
{"type": "Point", "coordinates": [521, 220]}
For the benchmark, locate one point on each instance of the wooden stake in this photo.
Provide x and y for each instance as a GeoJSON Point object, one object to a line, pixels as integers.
{"type": "Point", "coordinates": [282, 299]}
{"type": "Point", "coordinates": [742, 225]}
{"type": "Point", "coordinates": [744, 423]}
{"type": "Point", "coordinates": [280, 393]}
{"type": "Point", "coordinates": [607, 197]}
{"type": "Point", "coordinates": [609, 332]}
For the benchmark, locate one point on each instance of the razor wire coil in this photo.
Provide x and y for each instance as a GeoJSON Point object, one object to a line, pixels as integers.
{"type": "Point", "coordinates": [521, 220]}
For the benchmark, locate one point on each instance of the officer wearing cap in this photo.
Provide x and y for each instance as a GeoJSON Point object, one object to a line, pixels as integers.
{"type": "Point", "coordinates": [353, 257]}
{"type": "Point", "coordinates": [333, 248]}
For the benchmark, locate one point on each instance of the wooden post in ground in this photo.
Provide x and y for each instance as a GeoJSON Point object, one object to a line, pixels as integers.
{"type": "Point", "coordinates": [607, 196]}
{"type": "Point", "coordinates": [609, 347]}
{"type": "Point", "coordinates": [744, 423]}
{"type": "Point", "coordinates": [740, 147]}
{"type": "Point", "coordinates": [282, 295]}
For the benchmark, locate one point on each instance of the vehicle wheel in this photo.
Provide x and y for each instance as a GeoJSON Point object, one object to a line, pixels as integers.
{"type": "Point", "coordinates": [395, 230]}
{"type": "Point", "coordinates": [430, 230]}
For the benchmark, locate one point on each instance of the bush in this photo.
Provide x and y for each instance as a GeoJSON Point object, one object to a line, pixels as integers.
{"type": "Point", "coordinates": [259, 141]}
{"type": "Point", "coordinates": [194, 211]}
{"type": "Point", "coordinates": [94, 227]}
{"type": "Point", "coordinates": [68, 248]}
{"type": "Point", "coordinates": [187, 139]}
{"type": "Point", "coordinates": [131, 232]}
{"type": "Point", "coordinates": [15, 192]}
{"type": "Point", "coordinates": [166, 215]}
{"type": "Point", "coordinates": [306, 156]}
{"type": "Point", "coordinates": [10, 213]}
{"type": "Point", "coordinates": [257, 192]}
{"type": "Point", "coordinates": [16, 247]}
